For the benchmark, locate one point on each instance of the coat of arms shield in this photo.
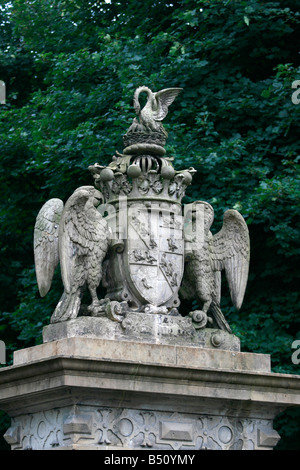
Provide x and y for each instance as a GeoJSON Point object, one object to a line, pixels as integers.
{"type": "Point", "coordinates": [152, 261]}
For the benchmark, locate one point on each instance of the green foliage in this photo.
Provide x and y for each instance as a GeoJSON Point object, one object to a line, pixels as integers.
{"type": "Point", "coordinates": [71, 68]}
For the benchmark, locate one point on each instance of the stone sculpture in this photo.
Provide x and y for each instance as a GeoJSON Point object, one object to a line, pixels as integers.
{"type": "Point", "coordinates": [227, 250]}
{"type": "Point", "coordinates": [155, 109]}
{"type": "Point", "coordinates": [146, 247]}
{"type": "Point", "coordinates": [130, 370]}
{"type": "Point", "coordinates": [77, 236]}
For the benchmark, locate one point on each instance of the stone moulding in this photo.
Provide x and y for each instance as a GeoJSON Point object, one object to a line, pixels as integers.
{"type": "Point", "coordinates": [61, 395]}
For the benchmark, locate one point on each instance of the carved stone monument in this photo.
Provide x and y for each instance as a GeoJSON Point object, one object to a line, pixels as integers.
{"type": "Point", "coordinates": [148, 247]}
{"type": "Point", "coordinates": [129, 371]}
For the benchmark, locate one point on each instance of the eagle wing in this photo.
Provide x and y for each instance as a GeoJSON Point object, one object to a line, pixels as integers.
{"type": "Point", "coordinates": [231, 251]}
{"type": "Point", "coordinates": [83, 234]}
{"type": "Point", "coordinates": [164, 98]}
{"type": "Point", "coordinates": [46, 232]}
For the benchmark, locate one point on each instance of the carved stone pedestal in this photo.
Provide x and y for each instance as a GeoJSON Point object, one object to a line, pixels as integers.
{"type": "Point", "coordinates": [87, 392]}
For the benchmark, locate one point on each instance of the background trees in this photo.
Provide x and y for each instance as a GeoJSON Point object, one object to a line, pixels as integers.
{"type": "Point", "coordinates": [71, 68]}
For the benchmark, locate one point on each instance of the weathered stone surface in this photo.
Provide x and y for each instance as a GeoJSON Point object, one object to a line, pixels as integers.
{"type": "Point", "coordinates": [142, 327]}
{"type": "Point", "coordinates": [102, 428]}
{"type": "Point", "coordinates": [91, 393]}
{"type": "Point", "coordinates": [147, 353]}
{"type": "Point", "coordinates": [141, 242]}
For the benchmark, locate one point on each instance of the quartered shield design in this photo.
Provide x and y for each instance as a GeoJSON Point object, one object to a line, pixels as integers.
{"type": "Point", "coordinates": [155, 251]}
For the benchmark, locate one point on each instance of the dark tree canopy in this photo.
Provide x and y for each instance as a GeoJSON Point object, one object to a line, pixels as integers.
{"type": "Point", "coordinates": [71, 68]}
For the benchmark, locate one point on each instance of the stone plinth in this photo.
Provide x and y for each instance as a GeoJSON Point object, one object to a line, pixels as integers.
{"type": "Point", "coordinates": [94, 393]}
{"type": "Point", "coordinates": [143, 327]}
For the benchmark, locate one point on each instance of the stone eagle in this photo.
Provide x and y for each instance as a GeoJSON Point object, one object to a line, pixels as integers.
{"type": "Point", "coordinates": [207, 255]}
{"type": "Point", "coordinates": [77, 236]}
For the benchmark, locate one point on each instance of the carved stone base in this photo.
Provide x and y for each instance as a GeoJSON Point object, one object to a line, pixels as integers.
{"type": "Point", "coordinates": [144, 327]}
{"type": "Point", "coordinates": [93, 426]}
{"type": "Point", "coordinates": [106, 394]}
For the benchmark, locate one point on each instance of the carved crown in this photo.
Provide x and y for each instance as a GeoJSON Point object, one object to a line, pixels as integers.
{"type": "Point", "coordinates": [141, 177]}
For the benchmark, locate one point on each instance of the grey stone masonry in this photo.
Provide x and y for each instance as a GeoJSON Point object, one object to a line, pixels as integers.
{"type": "Point", "coordinates": [84, 392]}
{"type": "Point", "coordinates": [143, 327]}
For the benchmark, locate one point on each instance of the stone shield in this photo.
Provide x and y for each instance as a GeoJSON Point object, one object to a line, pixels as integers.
{"type": "Point", "coordinates": [149, 269]}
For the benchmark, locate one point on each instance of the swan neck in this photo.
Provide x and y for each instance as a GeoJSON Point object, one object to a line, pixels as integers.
{"type": "Point", "coordinates": [137, 93]}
